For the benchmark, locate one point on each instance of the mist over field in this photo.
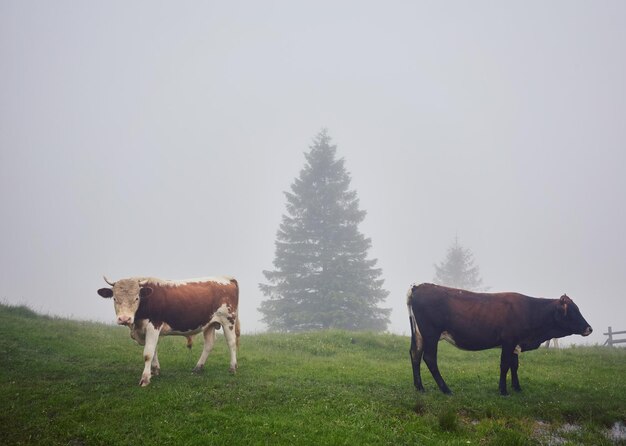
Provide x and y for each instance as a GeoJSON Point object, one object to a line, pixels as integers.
{"type": "Point", "coordinates": [143, 139]}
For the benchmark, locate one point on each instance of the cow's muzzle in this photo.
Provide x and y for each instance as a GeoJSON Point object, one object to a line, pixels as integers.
{"type": "Point", "coordinates": [124, 320]}
{"type": "Point", "coordinates": [587, 331]}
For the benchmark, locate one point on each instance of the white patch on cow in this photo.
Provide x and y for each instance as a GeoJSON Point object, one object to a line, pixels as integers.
{"type": "Point", "coordinates": [228, 320]}
{"type": "Point", "coordinates": [149, 352]}
{"type": "Point", "coordinates": [419, 340]}
{"type": "Point", "coordinates": [448, 337]}
{"type": "Point", "coordinates": [222, 280]}
{"type": "Point", "coordinates": [518, 349]}
{"type": "Point", "coordinates": [222, 314]}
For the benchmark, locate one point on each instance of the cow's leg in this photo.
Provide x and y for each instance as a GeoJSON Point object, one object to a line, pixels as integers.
{"type": "Point", "coordinates": [506, 360]}
{"type": "Point", "coordinates": [232, 338]}
{"type": "Point", "coordinates": [155, 367]}
{"type": "Point", "coordinates": [514, 378]}
{"type": "Point", "coordinates": [430, 358]}
{"type": "Point", "coordinates": [209, 341]}
{"type": "Point", "coordinates": [416, 351]}
{"type": "Point", "coordinates": [149, 351]}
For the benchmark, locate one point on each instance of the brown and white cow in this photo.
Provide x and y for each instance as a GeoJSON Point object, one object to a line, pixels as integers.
{"type": "Point", "coordinates": [479, 321]}
{"type": "Point", "coordinates": [154, 307]}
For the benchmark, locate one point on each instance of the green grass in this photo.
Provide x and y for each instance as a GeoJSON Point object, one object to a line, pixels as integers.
{"type": "Point", "coordinates": [75, 383]}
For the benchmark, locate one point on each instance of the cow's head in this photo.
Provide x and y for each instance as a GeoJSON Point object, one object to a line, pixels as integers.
{"type": "Point", "coordinates": [568, 317]}
{"type": "Point", "coordinates": [126, 294]}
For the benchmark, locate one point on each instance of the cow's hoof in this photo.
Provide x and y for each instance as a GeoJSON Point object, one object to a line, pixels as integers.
{"type": "Point", "coordinates": [155, 372]}
{"type": "Point", "coordinates": [233, 370]}
{"type": "Point", "coordinates": [517, 389]}
{"type": "Point", "coordinates": [446, 391]}
{"type": "Point", "coordinates": [198, 369]}
{"type": "Point", "coordinates": [144, 382]}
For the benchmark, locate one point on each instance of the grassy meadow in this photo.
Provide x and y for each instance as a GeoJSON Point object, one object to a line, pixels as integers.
{"type": "Point", "coordinates": [76, 383]}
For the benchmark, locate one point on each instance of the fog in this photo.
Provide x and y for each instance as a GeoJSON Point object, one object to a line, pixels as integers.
{"type": "Point", "coordinates": [157, 138]}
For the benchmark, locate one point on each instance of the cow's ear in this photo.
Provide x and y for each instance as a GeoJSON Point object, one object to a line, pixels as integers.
{"type": "Point", "coordinates": [105, 292]}
{"type": "Point", "coordinates": [145, 291]}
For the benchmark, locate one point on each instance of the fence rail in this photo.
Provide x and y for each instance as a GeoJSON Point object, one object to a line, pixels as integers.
{"type": "Point", "coordinates": [610, 341]}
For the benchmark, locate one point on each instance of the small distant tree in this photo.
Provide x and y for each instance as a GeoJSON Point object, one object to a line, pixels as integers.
{"type": "Point", "coordinates": [458, 270]}
{"type": "Point", "coordinates": [322, 277]}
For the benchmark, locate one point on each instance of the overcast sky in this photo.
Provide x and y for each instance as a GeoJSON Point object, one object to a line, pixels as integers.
{"type": "Point", "coordinates": [157, 138]}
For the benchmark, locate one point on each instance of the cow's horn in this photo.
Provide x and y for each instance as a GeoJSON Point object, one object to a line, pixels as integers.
{"type": "Point", "coordinates": [108, 281]}
{"type": "Point", "coordinates": [143, 282]}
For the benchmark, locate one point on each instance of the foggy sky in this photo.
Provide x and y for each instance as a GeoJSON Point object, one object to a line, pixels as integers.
{"type": "Point", "coordinates": [157, 138]}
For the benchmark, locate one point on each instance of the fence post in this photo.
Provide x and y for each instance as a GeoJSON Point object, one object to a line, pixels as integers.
{"type": "Point", "coordinates": [610, 340]}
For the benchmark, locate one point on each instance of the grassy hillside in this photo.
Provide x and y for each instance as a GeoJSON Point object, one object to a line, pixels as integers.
{"type": "Point", "coordinates": [75, 383]}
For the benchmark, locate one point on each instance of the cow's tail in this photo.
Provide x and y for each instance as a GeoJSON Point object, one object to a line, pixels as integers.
{"type": "Point", "coordinates": [416, 336]}
{"type": "Point", "coordinates": [237, 326]}
{"type": "Point", "coordinates": [237, 330]}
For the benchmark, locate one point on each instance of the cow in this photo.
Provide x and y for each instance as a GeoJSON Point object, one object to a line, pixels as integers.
{"type": "Point", "coordinates": [480, 321]}
{"type": "Point", "coordinates": [153, 307]}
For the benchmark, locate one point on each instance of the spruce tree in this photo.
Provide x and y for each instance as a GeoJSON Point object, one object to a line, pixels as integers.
{"type": "Point", "coordinates": [458, 270]}
{"type": "Point", "coordinates": [322, 277]}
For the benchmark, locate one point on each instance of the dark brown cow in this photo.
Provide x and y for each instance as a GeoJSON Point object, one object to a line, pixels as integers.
{"type": "Point", "coordinates": [479, 321]}
{"type": "Point", "coordinates": [153, 307]}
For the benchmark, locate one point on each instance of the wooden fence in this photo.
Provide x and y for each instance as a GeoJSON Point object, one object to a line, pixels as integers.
{"type": "Point", "coordinates": [610, 341]}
